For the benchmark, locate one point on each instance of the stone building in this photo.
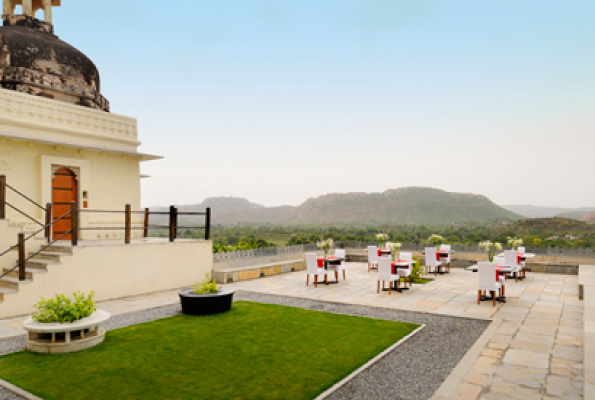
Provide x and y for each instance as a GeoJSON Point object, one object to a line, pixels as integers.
{"type": "Point", "coordinates": [60, 146]}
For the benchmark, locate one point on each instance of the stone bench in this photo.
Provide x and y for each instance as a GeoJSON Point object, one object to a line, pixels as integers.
{"type": "Point", "coordinates": [55, 338]}
{"type": "Point", "coordinates": [237, 274]}
{"type": "Point", "coordinates": [586, 282]}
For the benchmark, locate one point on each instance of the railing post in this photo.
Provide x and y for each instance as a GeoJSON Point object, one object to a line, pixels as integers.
{"type": "Point", "coordinates": [146, 225]}
{"type": "Point", "coordinates": [2, 196]}
{"type": "Point", "coordinates": [208, 224]}
{"type": "Point", "coordinates": [74, 215]}
{"type": "Point", "coordinates": [22, 275]}
{"type": "Point", "coordinates": [127, 223]}
{"type": "Point", "coordinates": [48, 221]}
{"type": "Point", "coordinates": [173, 223]}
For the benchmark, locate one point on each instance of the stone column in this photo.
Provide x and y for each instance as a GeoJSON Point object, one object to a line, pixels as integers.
{"type": "Point", "coordinates": [47, 9]}
{"type": "Point", "coordinates": [28, 7]}
{"type": "Point", "coordinates": [8, 7]}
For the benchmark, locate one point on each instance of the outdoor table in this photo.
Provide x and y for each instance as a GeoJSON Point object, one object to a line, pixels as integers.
{"type": "Point", "coordinates": [399, 264]}
{"type": "Point", "coordinates": [332, 260]}
{"type": "Point", "coordinates": [384, 252]}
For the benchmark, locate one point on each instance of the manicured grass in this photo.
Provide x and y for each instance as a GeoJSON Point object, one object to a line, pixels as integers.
{"type": "Point", "coordinates": [255, 351]}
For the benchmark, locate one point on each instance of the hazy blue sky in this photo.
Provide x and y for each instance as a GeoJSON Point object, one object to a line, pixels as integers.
{"type": "Point", "coordinates": [278, 101]}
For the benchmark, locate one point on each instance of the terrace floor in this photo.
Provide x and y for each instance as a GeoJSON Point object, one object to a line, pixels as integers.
{"type": "Point", "coordinates": [533, 349]}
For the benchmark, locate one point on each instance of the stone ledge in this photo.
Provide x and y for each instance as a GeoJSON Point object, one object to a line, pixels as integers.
{"type": "Point", "coordinates": [227, 275]}
{"type": "Point", "coordinates": [586, 281]}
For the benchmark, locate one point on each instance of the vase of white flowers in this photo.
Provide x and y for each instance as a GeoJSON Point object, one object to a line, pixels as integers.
{"type": "Point", "coordinates": [381, 238]}
{"type": "Point", "coordinates": [515, 242]}
{"type": "Point", "coordinates": [436, 240]}
{"type": "Point", "coordinates": [325, 245]}
{"type": "Point", "coordinates": [490, 249]}
{"type": "Point", "coordinates": [393, 249]}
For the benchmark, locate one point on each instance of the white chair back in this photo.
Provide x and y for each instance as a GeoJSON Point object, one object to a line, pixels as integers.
{"type": "Point", "coordinates": [384, 269]}
{"type": "Point", "coordinates": [311, 263]}
{"type": "Point", "coordinates": [372, 254]}
{"type": "Point", "coordinates": [486, 276]}
{"type": "Point", "coordinates": [406, 256]}
{"type": "Point", "coordinates": [500, 261]}
{"type": "Point", "coordinates": [431, 257]}
{"type": "Point", "coordinates": [340, 253]}
{"type": "Point", "coordinates": [510, 258]}
{"type": "Point", "coordinates": [521, 249]}
{"type": "Point", "coordinates": [446, 247]}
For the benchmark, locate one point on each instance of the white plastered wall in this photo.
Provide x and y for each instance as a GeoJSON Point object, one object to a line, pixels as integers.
{"type": "Point", "coordinates": [115, 272]}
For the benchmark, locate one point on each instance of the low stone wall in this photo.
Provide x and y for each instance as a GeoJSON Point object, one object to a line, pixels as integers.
{"type": "Point", "coordinates": [236, 274]}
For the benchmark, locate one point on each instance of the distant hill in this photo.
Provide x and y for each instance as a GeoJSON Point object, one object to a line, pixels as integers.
{"type": "Point", "coordinates": [589, 218]}
{"type": "Point", "coordinates": [412, 205]}
{"type": "Point", "coordinates": [529, 211]}
{"type": "Point", "coordinates": [555, 225]}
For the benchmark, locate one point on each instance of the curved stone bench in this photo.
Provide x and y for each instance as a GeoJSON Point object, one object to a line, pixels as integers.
{"type": "Point", "coordinates": [47, 337]}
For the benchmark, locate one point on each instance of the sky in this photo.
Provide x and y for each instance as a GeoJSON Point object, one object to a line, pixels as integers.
{"type": "Point", "coordinates": [279, 101]}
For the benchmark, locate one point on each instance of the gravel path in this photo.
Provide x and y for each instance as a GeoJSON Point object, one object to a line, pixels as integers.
{"type": "Point", "coordinates": [415, 370]}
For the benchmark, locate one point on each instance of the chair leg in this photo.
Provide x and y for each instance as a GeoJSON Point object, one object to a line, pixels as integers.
{"type": "Point", "coordinates": [307, 279]}
{"type": "Point", "coordinates": [378, 288]}
{"type": "Point", "coordinates": [344, 278]}
{"type": "Point", "coordinates": [369, 267]}
{"type": "Point", "coordinates": [390, 288]}
{"type": "Point", "coordinates": [326, 279]}
{"type": "Point", "coordinates": [478, 296]}
{"type": "Point", "coordinates": [502, 289]}
{"type": "Point", "coordinates": [516, 276]}
{"type": "Point", "coordinates": [315, 280]}
{"type": "Point", "coordinates": [337, 276]}
{"type": "Point", "coordinates": [493, 298]}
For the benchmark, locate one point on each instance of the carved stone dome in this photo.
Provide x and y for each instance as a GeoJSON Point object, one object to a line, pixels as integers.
{"type": "Point", "coordinates": [35, 61]}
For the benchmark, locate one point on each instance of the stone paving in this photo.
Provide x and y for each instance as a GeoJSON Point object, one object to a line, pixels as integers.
{"type": "Point", "coordinates": [533, 349]}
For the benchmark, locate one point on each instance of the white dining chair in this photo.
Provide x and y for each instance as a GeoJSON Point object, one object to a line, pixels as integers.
{"type": "Point", "coordinates": [447, 260]}
{"type": "Point", "coordinates": [385, 274]}
{"type": "Point", "coordinates": [501, 260]}
{"type": "Point", "coordinates": [523, 263]}
{"type": "Point", "coordinates": [511, 260]}
{"type": "Point", "coordinates": [431, 262]}
{"type": "Point", "coordinates": [312, 269]}
{"type": "Point", "coordinates": [406, 273]}
{"type": "Point", "coordinates": [486, 281]}
{"type": "Point", "coordinates": [372, 257]}
{"type": "Point", "coordinates": [341, 253]}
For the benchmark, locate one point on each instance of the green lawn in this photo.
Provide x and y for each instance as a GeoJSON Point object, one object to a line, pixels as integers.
{"type": "Point", "coordinates": [256, 351]}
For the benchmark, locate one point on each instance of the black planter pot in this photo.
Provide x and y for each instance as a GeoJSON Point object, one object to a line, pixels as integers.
{"type": "Point", "coordinates": [204, 304]}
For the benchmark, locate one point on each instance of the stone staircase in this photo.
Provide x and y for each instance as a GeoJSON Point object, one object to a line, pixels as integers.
{"type": "Point", "coordinates": [38, 264]}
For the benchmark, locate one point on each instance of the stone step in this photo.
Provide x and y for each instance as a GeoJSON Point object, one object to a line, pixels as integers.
{"type": "Point", "coordinates": [67, 250]}
{"type": "Point", "coordinates": [41, 263]}
{"type": "Point", "coordinates": [5, 292]}
{"type": "Point", "coordinates": [29, 272]}
{"type": "Point", "coordinates": [48, 255]}
{"type": "Point", "coordinates": [12, 282]}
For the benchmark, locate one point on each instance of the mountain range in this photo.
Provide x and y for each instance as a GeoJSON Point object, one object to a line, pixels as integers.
{"type": "Point", "coordinates": [529, 211]}
{"type": "Point", "coordinates": [413, 205]}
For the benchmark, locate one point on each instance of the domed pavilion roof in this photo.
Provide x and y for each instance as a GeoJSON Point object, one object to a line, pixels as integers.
{"type": "Point", "coordinates": [35, 61]}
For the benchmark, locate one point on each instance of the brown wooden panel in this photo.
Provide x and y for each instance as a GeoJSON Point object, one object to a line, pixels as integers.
{"type": "Point", "coordinates": [64, 191]}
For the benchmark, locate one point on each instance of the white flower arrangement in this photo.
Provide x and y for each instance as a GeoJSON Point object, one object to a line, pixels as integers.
{"type": "Point", "coordinates": [490, 248]}
{"type": "Point", "coordinates": [393, 248]}
{"type": "Point", "coordinates": [436, 240]}
{"type": "Point", "coordinates": [325, 245]}
{"type": "Point", "coordinates": [515, 242]}
{"type": "Point", "coordinates": [380, 238]}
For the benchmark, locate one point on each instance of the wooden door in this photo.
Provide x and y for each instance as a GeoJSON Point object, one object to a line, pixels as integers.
{"type": "Point", "coordinates": [64, 192]}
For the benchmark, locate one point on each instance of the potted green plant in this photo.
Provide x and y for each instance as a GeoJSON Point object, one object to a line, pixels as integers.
{"type": "Point", "coordinates": [206, 298]}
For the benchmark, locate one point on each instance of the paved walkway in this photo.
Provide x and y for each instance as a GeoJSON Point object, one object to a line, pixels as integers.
{"type": "Point", "coordinates": [532, 350]}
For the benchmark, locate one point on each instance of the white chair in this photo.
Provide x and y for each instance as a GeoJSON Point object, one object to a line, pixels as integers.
{"type": "Point", "coordinates": [502, 262]}
{"type": "Point", "coordinates": [486, 281]}
{"type": "Point", "coordinates": [406, 272]}
{"type": "Point", "coordinates": [341, 267]}
{"type": "Point", "coordinates": [312, 269]}
{"type": "Point", "coordinates": [523, 266]}
{"type": "Point", "coordinates": [431, 261]}
{"type": "Point", "coordinates": [446, 247]}
{"type": "Point", "coordinates": [372, 257]}
{"type": "Point", "coordinates": [511, 260]}
{"type": "Point", "coordinates": [385, 274]}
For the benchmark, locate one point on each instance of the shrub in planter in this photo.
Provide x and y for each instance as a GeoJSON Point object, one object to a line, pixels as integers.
{"type": "Point", "coordinates": [206, 298]}
{"type": "Point", "coordinates": [62, 309]}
